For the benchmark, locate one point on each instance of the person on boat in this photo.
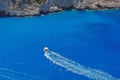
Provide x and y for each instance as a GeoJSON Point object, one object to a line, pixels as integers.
{"type": "Point", "coordinates": [45, 49]}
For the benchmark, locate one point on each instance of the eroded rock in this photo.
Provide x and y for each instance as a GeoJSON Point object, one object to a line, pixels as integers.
{"type": "Point", "coordinates": [32, 7]}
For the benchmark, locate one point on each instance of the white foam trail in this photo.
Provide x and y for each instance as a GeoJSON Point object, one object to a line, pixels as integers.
{"type": "Point", "coordinates": [10, 74]}
{"type": "Point", "coordinates": [7, 77]}
{"type": "Point", "coordinates": [78, 68]}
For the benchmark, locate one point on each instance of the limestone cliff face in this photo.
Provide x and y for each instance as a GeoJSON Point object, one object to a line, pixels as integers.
{"type": "Point", "coordinates": [33, 7]}
{"type": "Point", "coordinates": [56, 5]}
{"type": "Point", "coordinates": [4, 7]}
{"type": "Point", "coordinates": [19, 7]}
{"type": "Point", "coordinates": [23, 7]}
{"type": "Point", "coordinates": [78, 4]}
{"type": "Point", "coordinates": [100, 4]}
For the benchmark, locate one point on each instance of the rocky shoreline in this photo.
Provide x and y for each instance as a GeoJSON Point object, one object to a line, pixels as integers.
{"type": "Point", "coordinates": [33, 7]}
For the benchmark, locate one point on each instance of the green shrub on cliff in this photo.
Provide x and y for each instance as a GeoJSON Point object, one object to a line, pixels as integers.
{"type": "Point", "coordinates": [40, 1]}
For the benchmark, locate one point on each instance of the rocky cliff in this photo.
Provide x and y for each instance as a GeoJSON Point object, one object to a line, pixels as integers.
{"type": "Point", "coordinates": [19, 7]}
{"type": "Point", "coordinates": [37, 7]}
{"type": "Point", "coordinates": [56, 5]}
{"type": "Point", "coordinates": [4, 7]}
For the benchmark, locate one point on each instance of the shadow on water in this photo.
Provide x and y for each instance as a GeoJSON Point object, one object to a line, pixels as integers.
{"type": "Point", "coordinates": [108, 39]}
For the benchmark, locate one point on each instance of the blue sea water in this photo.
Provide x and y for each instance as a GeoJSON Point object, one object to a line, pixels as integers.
{"type": "Point", "coordinates": [91, 38]}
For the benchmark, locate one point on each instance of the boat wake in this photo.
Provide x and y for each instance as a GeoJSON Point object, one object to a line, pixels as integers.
{"type": "Point", "coordinates": [78, 68]}
{"type": "Point", "coordinates": [9, 74]}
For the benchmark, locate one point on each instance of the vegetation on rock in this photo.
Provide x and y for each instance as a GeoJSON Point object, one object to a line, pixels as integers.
{"type": "Point", "coordinates": [40, 1]}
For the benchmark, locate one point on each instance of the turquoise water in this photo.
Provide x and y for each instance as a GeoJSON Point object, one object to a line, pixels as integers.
{"type": "Point", "coordinates": [91, 38]}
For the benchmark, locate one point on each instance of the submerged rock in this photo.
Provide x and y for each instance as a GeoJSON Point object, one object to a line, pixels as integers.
{"type": "Point", "coordinates": [37, 7]}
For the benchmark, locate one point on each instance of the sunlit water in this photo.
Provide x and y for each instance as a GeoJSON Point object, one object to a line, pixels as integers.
{"type": "Point", "coordinates": [91, 38]}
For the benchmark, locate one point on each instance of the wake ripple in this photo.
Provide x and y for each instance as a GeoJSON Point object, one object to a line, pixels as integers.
{"type": "Point", "coordinates": [9, 74]}
{"type": "Point", "coordinates": [78, 68]}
